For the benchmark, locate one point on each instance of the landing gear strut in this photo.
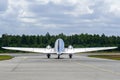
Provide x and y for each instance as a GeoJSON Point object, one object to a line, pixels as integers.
{"type": "Point", "coordinates": [48, 56]}
{"type": "Point", "coordinates": [58, 56]}
{"type": "Point", "coordinates": [70, 56]}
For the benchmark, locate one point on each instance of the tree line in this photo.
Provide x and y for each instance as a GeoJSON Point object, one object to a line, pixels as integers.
{"type": "Point", "coordinates": [77, 40]}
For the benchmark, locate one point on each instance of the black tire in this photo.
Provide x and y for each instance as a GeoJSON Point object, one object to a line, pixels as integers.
{"type": "Point", "coordinates": [48, 56]}
{"type": "Point", "coordinates": [58, 56]}
{"type": "Point", "coordinates": [70, 56]}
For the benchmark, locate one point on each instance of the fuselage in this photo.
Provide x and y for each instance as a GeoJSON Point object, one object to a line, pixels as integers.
{"type": "Point", "coordinates": [59, 46]}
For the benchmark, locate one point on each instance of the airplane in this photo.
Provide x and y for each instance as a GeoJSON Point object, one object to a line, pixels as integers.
{"type": "Point", "coordinates": [59, 49]}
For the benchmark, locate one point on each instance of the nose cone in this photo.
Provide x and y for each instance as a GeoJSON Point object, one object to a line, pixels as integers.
{"type": "Point", "coordinates": [59, 46]}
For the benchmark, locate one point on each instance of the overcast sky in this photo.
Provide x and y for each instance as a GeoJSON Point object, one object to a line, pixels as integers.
{"type": "Point", "coordinates": [60, 16]}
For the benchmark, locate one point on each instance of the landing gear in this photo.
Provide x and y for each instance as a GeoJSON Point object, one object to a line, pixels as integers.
{"type": "Point", "coordinates": [48, 56]}
{"type": "Point", "coordinates": [58, 56]}
{"type": "Point", "coordinates": [70, 56]}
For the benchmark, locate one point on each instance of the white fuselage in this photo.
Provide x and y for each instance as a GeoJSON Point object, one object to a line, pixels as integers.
{"type": "Point", "coordinates": [59, 46]}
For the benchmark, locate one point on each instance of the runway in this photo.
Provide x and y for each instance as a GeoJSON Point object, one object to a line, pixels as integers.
{"type": "Point", "coordinates": [38, 67]}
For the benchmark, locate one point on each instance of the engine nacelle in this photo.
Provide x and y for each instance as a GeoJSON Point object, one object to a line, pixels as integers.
{"type": "Point", "coordinates": [48, 47]}
{"type": "Point", "coordinates": [70, 47]}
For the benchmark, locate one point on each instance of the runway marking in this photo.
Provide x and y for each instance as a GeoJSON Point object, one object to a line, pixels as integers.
{"type": "Point", "coordinates": [101, 69]}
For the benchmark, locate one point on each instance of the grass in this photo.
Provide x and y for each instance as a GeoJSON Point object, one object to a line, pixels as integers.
{"type": "Point", "coordinates": [113, 57]}
{"type": "Point", "coordinates": [5, 57]}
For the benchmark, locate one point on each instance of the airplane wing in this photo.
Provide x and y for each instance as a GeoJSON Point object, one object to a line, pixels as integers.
{"type": "Point", "coordinates": [51, 50]}
{"type": "Point", "coordinates": [38, 50]}
{"type": "Point", "coordinates": [77, 50]}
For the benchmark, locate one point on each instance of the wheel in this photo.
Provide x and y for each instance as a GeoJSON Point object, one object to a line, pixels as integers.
{"type": "Point", "coordinates": [48, 56]}
{"type": "Point", "coordinates": [70, 56]}
{"type": "Point", "coordinates": [58, 56]}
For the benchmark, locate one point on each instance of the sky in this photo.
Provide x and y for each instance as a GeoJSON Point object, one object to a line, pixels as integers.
{"type": "Point", "coordinates": [34, 17]}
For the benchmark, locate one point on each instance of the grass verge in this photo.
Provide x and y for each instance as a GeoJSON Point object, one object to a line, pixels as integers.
{"type": "Point", "coordinates": [113, 57]}
{"type": "Point", "coordinates": [5, 57]}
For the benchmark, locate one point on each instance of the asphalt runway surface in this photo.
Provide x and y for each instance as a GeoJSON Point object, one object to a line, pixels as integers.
{"type": "Point", "coordinates": [38, 67]}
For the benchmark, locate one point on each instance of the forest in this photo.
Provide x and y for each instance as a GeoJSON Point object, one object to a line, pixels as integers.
{"type": "Point", "coordinates": [76, 40]}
